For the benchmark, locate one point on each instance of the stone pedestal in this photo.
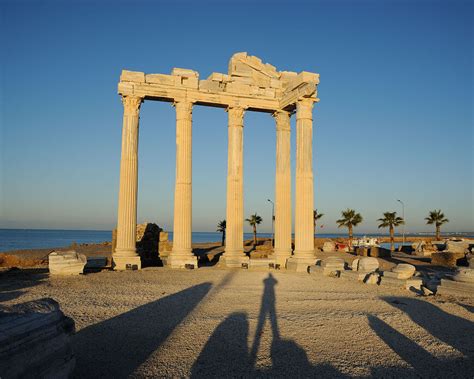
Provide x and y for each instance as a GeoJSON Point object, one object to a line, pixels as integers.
{"type": "Point", "coordinates": [181, 254]}
{"type": "Point", "coordinates": [234, 249]}
{"type": "Point", "coordinates": [304, 233]}
{"type": "Point", "coordinates": [282, 250]}
{"type": "Point", "coordinates": [35, 341]}
{"type": "Point", "coordinates": [125, 251]}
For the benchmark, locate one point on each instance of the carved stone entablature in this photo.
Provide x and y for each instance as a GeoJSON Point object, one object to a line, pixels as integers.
{"type": "Point", "coordinates": [249, 83]}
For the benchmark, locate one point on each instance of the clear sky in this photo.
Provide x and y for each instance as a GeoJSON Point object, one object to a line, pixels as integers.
{"type": "Point", "coordinates": [394, 121]}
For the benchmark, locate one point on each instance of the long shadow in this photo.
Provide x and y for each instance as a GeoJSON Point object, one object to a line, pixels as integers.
{"type": "Point", "coordinates": [422, 362]}
{"type": "Point", "coordinates": [116, 347]}
{"type": "Point", "coordinates": [453, 330]}
{"type": "Point", "coordinates": [226, 353]}
{"type": "Point", "coordinates": [13, 281]}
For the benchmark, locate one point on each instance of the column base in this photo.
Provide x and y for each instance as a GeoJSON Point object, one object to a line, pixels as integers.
{"type": "Point", "coordinates": [280, 257]}
{"type": "Point", "coordinates": [126, 263]}
{"type": "Point", "coordinates": [234, 260]}
{"type": "Point", "coordinates": [299, 264]}
{"type": "Point", "coordinates": [180, 260]}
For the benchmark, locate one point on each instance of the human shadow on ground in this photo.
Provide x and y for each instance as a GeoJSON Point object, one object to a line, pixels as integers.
{"type": "Point", "coordinates": [452, 330]}
{"type": "Point", "coordinates": [13, 281]}
{"type": "Point", "coordinates": [422, 362]}
{"type": "Point", "coordinates": [116, 347]}
{"type": "Point", "coordinates": [226, 353]}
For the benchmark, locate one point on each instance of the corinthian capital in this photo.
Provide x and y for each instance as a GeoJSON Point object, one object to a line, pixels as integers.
{"type": "Point", "coordinates": [304, 108]}
{"type": "Point", "coordinates": [184, 109]}
{"type": "Point", "coordinates": [131, 104]}
{"type": "Point", "coordinates": [282, 120]}
{"type": "Point", "coordinates": [236, 116]}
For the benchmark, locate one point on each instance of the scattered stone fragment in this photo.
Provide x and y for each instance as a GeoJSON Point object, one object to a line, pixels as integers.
{"type": "Point", "coordinates": [366, 264]}
{"type": "Point", "coordinates": [66, 263]}
{"type": "Point", "coordinates": [404, 270]}
{"type": "Point", "coordinates": [35, 341]}
{"type": "Point", "coordinates": [329, 246]}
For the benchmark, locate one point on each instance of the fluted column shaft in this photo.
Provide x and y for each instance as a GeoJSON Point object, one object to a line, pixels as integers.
{"type": "Point", "coordinates": [182, 226]}
{"type": "Point", "coordinates": [282, 187]}
{"type": "Point", "coordinates": [234, 212]}
{"type": "Point", "coordinates": [304, 199]}
{"type": "Point", "coordinates": [127, 204]}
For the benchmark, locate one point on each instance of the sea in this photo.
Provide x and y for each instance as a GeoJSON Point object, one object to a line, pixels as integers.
{"type": "Point", "coordinates": [23, 239]}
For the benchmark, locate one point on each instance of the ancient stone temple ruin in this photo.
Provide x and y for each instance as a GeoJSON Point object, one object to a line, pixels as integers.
{"type": "Point", "coordinates": [249, 85]}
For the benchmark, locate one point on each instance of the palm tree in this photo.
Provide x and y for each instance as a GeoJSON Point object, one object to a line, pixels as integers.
{"type": "Point", "coordinates": [391, 220]}
{"type": "Point", "coordinates": [437, 218]}
{"type": "Point", "coordinates": [221, 228]}
{"type": "Point", "coordinates": [349, 219]}
{"type": "Point", "coordinates": [316, 217]}
{"type": "Point", "coordinates": [254, 220]}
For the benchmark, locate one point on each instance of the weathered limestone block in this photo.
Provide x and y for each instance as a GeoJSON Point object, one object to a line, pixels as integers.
{"type": "Point", "coordinates": [302, 78]}
{"type": "Point", "coordinates": [401, 283]}
{"type": "Point", "coordinates": [401, 271]}
{"type": "Point", "coordinates": [464, 275]}
{"type": "Point", "coordinates": [366, 264]}
{"type": "Point", "coordinates": [66, 263]}
{"type": "Point", "coordinates": [132, 76]}
{"type": "Point", "coordinates": [354, 275]}
{"type": "Point", "coordinates": [235, 87]}
{"type": "Point", "coordinates": [329, 246]}
{"type": "Point", "coordinates": [334, 263]}
{"type": "Point", "coordinates": [35, 341]}
{"type": "Point", "coordinates": [184, 72]}
{"type": "Point", "coordinates": [211, 86]}
{"type": "Point", "coordinates": [457, 246]}
{"type": "Point", "coordinates": [445, 258]}
{"type": "Point", "coordinates": [261, 263]}
{"type": "Point", "coordinates": [167, 80]}
{"type": "Point", "coordinates": [216, 76]}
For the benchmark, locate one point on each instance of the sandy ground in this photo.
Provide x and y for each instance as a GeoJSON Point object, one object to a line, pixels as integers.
{"type": "Point", "coordinates": [215, 322]}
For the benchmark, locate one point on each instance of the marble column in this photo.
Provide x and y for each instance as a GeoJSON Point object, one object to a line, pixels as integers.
{"type": "Point", "coordinates": [234, 254]}
{"type": "Point", "coordinates": [181, 253]}
{"type": "Point", "coordinates": [282, 249]}
{"type": "Point", "coordinates": [304, 197]}
{"type": "Point", "coordinates": [125, 255]}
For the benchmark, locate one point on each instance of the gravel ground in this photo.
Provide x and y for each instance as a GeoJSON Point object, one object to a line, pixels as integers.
{"type": "Point", "coordinates": [214, 322]}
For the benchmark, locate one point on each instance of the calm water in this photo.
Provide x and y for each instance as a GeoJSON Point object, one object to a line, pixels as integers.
{"type": "Point", "coordinates": [16, 239]}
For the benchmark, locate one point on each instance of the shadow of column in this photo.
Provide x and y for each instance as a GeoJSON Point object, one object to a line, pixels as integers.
{"type": "Point", "coordinates": [118, 346]}
{"type": "Point", "coordinates": [453, 330]}
{"type": "Point", "coordinates": [423, 363]}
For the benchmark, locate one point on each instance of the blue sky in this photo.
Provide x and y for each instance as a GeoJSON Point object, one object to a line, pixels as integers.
{"type": "Point", "coordinates": [394, 122]}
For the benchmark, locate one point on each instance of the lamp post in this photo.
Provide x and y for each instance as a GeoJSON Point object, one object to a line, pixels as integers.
{"type": "Point", "coordinates": [403, 216]}
{"type": "Point", "coordinates": [273, 221]}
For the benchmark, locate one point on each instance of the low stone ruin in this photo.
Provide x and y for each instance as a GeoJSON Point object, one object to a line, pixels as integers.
{"type": "Point", "coordinates": [402, 275]}
{"type": "Point", "coordinates": [362, 270]}
{"type": "Point", "coordinates": [66, 263]}
{"type": "Point", "coordinates": [152, 243]}
{"type": "Point", "coordinates": [461, 283]}
{"type": "Point", "coordinates": [35, 341]}
{"type": "Point", "coordinates": [331, 266]}
{"type": "Point", "coordinates": [453, 251]}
